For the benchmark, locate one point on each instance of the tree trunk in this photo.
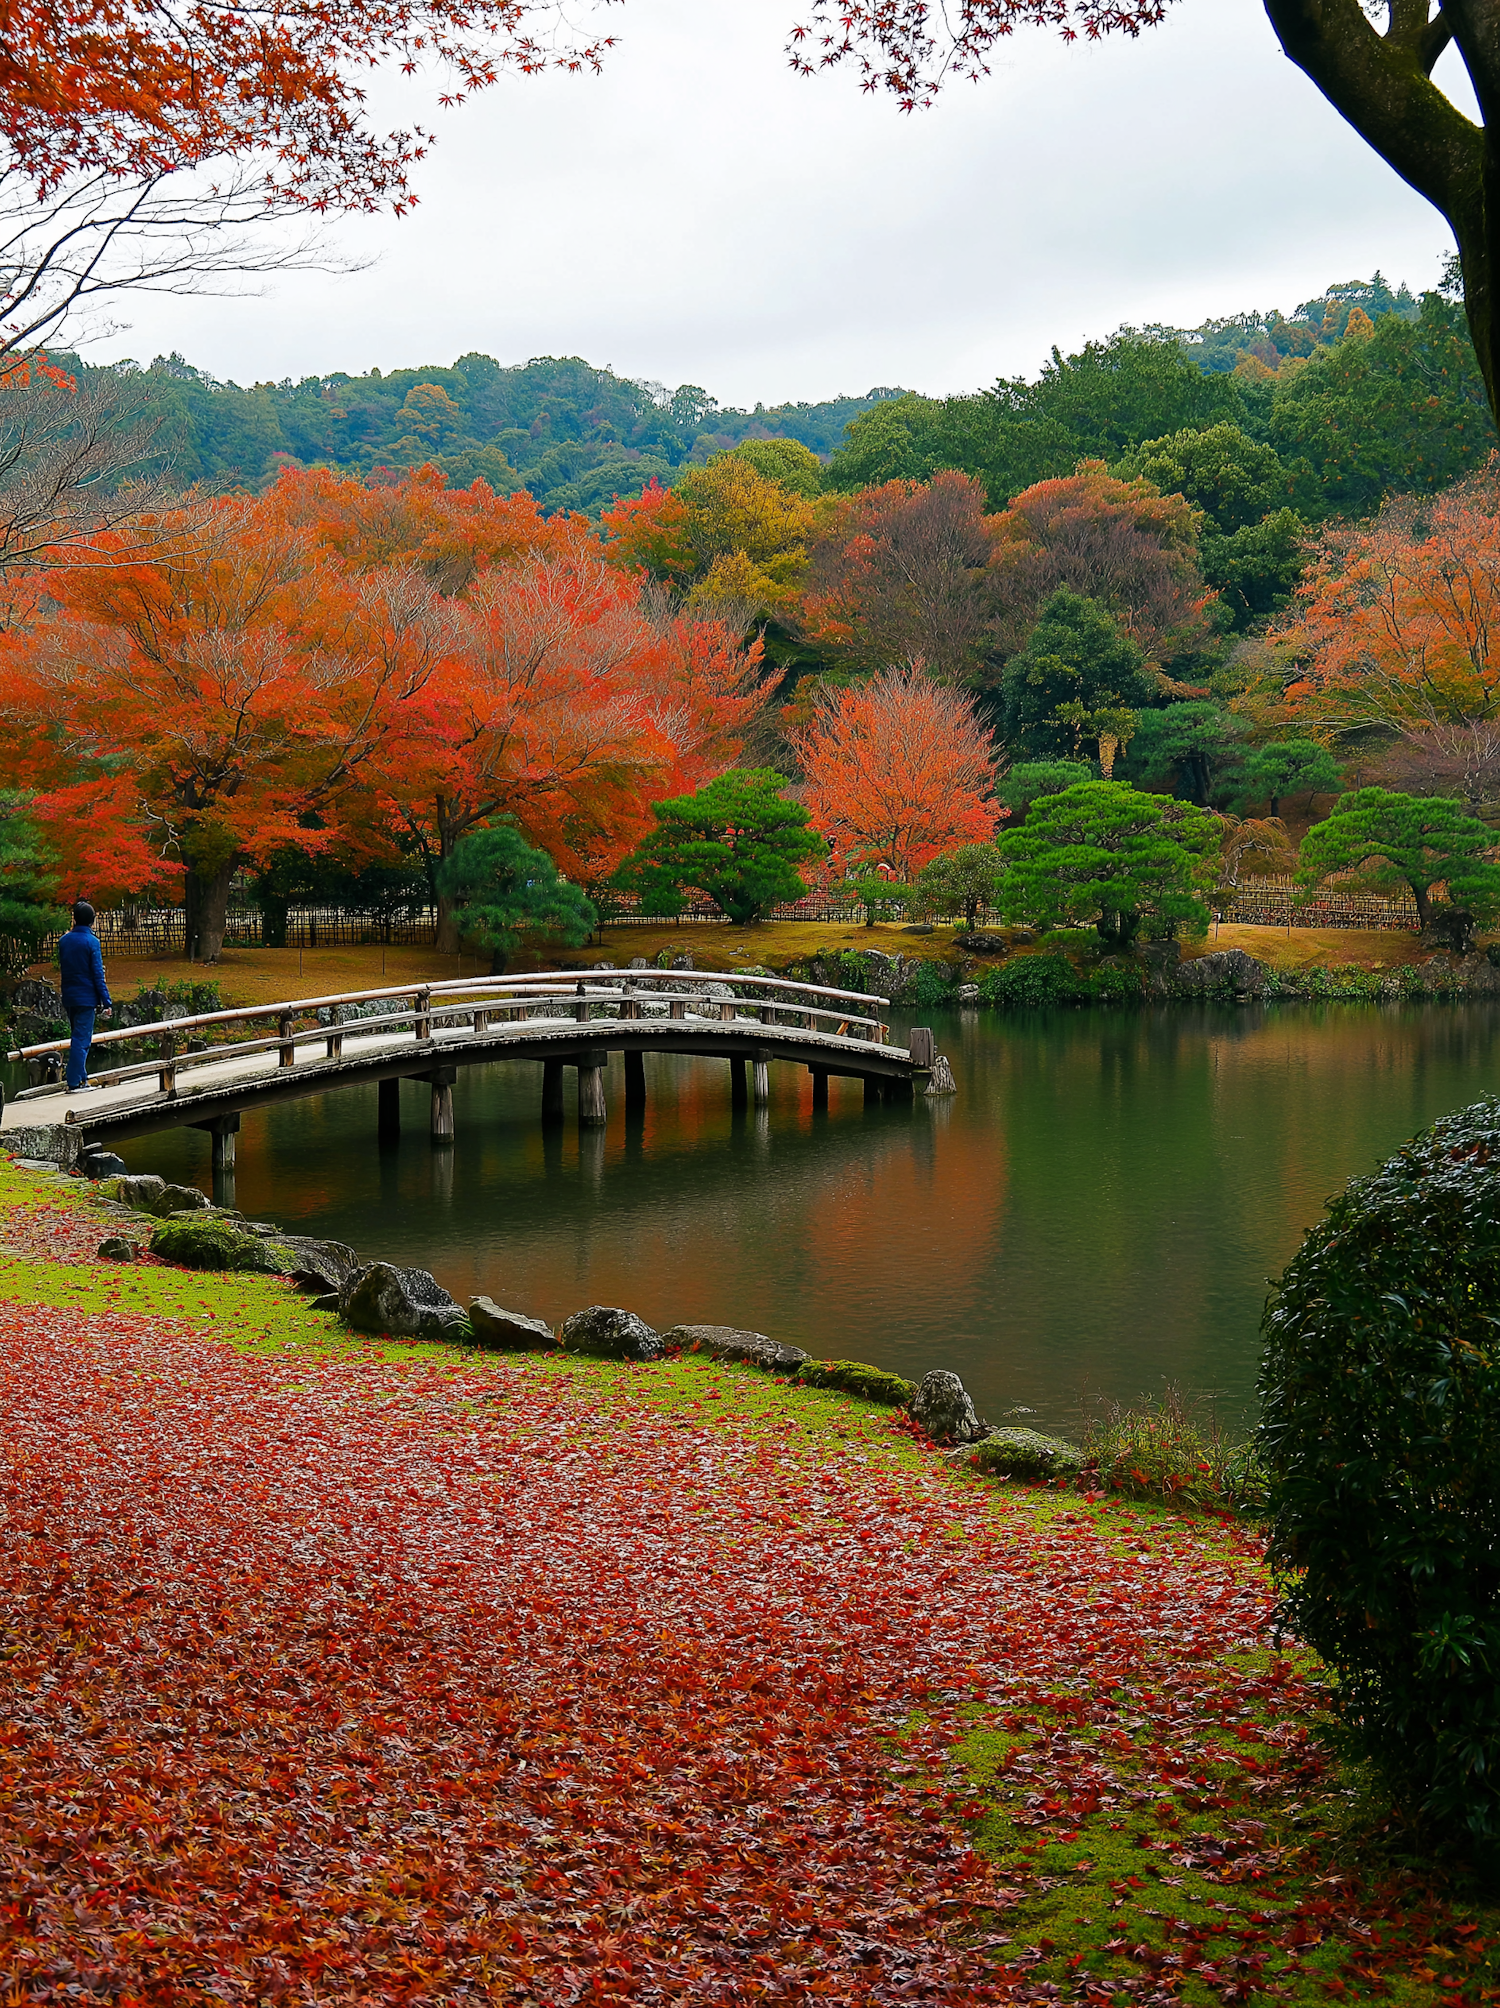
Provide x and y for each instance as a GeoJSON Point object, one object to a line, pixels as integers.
{"type": "Point", "coordinates": [1424, 905]}
{"type": "Point", "coordinates": [273, 919]}
{"type": "Point", "coordinates": [205, 910]}
{"type": "Point", "coordinates": [1381, 83]}
{"type": "Point", "coordinates": [445, 938]}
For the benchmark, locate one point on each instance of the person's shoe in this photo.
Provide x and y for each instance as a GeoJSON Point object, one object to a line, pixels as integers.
{"type": "Point", "coordinates": [88, 1088]}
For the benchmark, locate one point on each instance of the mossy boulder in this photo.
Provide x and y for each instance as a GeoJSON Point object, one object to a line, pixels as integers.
{"type": "Point", "coordinates": [213, 1242]}
{"type": "Point", "coordinates": [854, 1377]}
{"type": "Point", "coordinates": [1025, 1453]}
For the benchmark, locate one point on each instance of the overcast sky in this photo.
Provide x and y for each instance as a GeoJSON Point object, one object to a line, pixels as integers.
{"type": "Point", "coordinates": [699, 215]}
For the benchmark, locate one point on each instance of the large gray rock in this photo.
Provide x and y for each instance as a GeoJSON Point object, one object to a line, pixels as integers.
{"type": "Point", "coordinates": [611, 1334]}
{"type": "Point", "coordinates": [32, 994]}
{"type": "Point", "coordinates": [943, 1409]}
{"type": "Point", "coordinates": [139, 1190]}
{"type": "Point", "coordinates": [57, 1143]}
{"type": "Point", "coordinates": [507, 1331]}
{"type": "Point", "coordinates": [317, 1265]}
{"type": "Point", "coordinates": [176, 1199]}
{"type": "Point", "coordinates": [728, 1342]}
{"type": "Point", "coordinates": [1226, 970]}
{"type": "Point", "coordinates": [403, 1303]}
{"type": "Point", "coordinates": [1025, 1453]}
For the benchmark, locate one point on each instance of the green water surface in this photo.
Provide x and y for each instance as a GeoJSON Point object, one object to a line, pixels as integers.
{"type": "Point", "coordinates": [1094, 1213]}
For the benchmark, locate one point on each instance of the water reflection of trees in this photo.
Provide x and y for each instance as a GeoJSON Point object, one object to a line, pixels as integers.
{"type": "Point", "coordinates": [1099, 1207]}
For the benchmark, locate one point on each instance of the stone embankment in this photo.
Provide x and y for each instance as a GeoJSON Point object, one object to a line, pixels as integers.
{"type": "Point", "coordinates": [149, 1215]}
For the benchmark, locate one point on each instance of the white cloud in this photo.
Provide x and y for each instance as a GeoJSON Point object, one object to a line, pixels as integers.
{"type": "Point", "coordinates": [699, 214]}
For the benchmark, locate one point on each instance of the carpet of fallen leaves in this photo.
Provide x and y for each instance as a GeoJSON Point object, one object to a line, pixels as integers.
{"type": "Point", "coordinates": [349, 1678]}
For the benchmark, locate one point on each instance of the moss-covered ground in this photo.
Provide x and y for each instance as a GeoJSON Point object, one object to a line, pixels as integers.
{"type": "Point", "coordinates": [1160, 1829]}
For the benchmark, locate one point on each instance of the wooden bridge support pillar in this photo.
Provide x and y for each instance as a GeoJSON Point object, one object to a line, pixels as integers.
{"type": "Point", "coordinates": [760, 1084]}
{"type": "Point", "coordinates": [739, 1089]}
{"type": "Point", "coordinates": [820, 1086]}
{"type": "Point", "coordinates": [592, 1113]}
{"type": "Point", "coordinates": [874, 1091]}
{"type": "Point", "coordinates": [388, 1123]}
{"type": "Point", "coordinates": [226, 1136]}
{"type": "Point", "coordinates": [635, 1084]}
{"type": "Point", "coordinates": [442, 1105]}
{"type": "Point", "coordinates": [919, 1043]}
{"type": "Point", "coordinates": [552, 1094]}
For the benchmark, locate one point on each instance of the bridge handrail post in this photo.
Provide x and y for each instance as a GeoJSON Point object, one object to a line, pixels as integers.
{"type": "Point", "coordinates": [287, 1051]}
{"type": "Point", "coordinates": [422, 1021]}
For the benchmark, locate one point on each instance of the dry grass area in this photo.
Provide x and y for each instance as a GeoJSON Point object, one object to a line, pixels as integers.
{"type": "Point", "coordinates": [266, 975]}
{"type": "Point", "coordinates": [1319, 947]}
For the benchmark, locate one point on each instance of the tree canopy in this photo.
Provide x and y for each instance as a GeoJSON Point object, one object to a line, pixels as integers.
{"type": "Point", "coordinates": [1398, 840]}
{"type": "Point", "coordinates": [738, 840]}
{"type": "Point", "coordinates": [502, 889]}
{"type": "Point", "coordinates": [1104, 855]}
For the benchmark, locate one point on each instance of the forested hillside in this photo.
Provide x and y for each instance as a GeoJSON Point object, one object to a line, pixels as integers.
{"type": "Point", "coordinates": [1359, 392]}
{"type": "Point", "coordinates": [575, 436]}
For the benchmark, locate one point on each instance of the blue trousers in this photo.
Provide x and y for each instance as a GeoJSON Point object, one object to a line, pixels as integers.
{"type": "Point", "coordinates": [81, 1018]}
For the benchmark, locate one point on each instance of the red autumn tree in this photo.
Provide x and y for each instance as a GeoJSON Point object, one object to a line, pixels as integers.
{"type": "Point", "coordinates": [243, 685]}
{"type": "Point", "coordinates": [897, 770]}
{"type": "Point", "coordinates": [290, 671]}
{"type": "Point", "coordinates": [902, 572]}
{"type": "Point", "coordinates": [1397, 623]}
{"type": "Point", "coordinates": [1118, 542]}
{"type": "Point", "coordinates": [87, 86]}
{"type": "Point", "coordinates": [564, 703]}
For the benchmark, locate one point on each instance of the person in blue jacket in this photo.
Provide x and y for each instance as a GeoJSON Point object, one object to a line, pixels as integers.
{"type": "Point", "coordinates": [84, 991]}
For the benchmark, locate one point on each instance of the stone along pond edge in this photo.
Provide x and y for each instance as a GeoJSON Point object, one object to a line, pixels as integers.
{"type": "Point", "coordinates": [178, 1225]}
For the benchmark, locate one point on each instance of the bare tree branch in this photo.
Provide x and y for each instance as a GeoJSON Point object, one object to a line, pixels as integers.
{"type": "Point", "coordinates": [64, 259]}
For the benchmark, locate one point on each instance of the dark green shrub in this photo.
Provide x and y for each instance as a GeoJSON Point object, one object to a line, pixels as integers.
{"type": "Point", "coordinates": [1380, 1431]}
{"type": "Point", "coordinates": [929, 987]}
{"type": "Point", "coordinates": [1033, 983]}
{"type": "Point", "coordinates": [1117, 983]}
{"type": "Point", "coordinates": [854, 1377]}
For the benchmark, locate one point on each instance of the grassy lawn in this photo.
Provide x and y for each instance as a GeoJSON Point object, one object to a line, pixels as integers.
{"type": "Point", "coordinates": [525, 1678]}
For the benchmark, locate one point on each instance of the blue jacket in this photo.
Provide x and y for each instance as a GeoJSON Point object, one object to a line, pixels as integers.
{"type": "Point", "coordinates": [82, 970]}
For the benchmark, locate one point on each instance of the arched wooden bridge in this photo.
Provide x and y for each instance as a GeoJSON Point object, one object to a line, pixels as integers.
{"type": "Point", "coordinates": [203, 1076]}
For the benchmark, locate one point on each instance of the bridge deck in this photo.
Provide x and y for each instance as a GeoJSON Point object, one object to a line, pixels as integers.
{"type": "Point", "coordinates": [545, 1019]}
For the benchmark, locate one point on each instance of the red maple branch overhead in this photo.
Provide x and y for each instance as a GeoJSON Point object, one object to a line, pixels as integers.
{"type": "Point", "coordinates": [910, 49]}
{"type": "Point", "coordinates": [140, 88]}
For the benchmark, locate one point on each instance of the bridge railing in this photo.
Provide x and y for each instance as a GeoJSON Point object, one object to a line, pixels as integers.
{"type": "Point", "coordinates": [589, 996]}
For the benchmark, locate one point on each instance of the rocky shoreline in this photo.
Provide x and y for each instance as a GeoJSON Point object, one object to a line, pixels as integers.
{"type": "Point", "coordinates": [148, 1215]}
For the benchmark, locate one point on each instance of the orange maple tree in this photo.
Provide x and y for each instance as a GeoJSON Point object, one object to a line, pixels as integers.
{"type": "Point", "coordinates": [211, 701]}
{"type": "Point", "coordinates": [564, 703]}
{"type": "Point", "coordinates": [897, 769]}
{"type": "Point", "coordinates": [1397, 623]}
{"type": "Point", "coordinates": [293, 671]}
{"type": "Point", "coordinates": [141, 90]}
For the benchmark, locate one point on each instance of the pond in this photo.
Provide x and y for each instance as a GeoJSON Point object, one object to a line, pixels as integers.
{"type": "Point", "coordinates": [1095, 1213]}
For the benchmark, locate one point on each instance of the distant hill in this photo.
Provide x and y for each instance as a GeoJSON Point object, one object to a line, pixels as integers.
{"type": "Point", "coordinates": [1223, 343]}
{"type": "Point", "coordinates": [574, 435]}
{"type": "Point", "coordinates": [577, 436]}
